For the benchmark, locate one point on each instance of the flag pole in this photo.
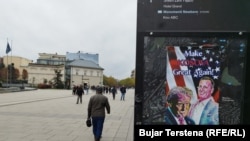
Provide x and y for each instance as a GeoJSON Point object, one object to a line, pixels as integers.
{"type": "Point", "coordinates": [7, 67]}
{"type": "Point", "coordinates": [11, 62]}
{"type": "Point", "coordinates": [8, 49]}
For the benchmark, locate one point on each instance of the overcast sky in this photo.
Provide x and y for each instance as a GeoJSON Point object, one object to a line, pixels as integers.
{"type": "Point", "coordinates": [106, 27]}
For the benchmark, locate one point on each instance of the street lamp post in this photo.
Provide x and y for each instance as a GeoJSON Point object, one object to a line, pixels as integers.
{"type": "Point", "coordinates": [82, 80]}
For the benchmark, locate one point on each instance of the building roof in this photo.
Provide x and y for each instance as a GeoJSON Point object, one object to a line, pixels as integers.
{"type": "Point", "coordinates": [50, 56]}
{"type": "Point", "coordinates": [84, 56]}
{"type": "Point", "coordinates": [85, 63]}
{"type": "Point", "coordinates": [45, 65]}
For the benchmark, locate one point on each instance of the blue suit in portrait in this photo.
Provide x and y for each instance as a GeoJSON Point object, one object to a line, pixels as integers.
{"type": "Point", "coordinates": [170, 119]}
{"type": "Point", "coordinates": [210, 113]}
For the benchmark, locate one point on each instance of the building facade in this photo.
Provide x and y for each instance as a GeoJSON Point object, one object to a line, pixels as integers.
{"type": "Point", "coordinates": [19, 63]}
{"type": "Point", "coordinates": [85, 72]}
{"type": "Point", "coordinates": [43, 74]}
{"type": "Point", "coordinates": [74, 71]}
{"type": "Point", "coordinates": [75, 68]}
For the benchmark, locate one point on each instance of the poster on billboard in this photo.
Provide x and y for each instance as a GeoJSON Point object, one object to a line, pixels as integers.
{"type": "Point", "coordinates": [193, 80]}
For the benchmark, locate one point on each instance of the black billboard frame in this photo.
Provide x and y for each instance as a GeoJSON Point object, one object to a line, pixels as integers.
{"type": "Point", "coordinates": [139, 89]}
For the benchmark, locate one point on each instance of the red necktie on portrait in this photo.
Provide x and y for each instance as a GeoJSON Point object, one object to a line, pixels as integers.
{"type": "Point", "coordinates": [181, 121]}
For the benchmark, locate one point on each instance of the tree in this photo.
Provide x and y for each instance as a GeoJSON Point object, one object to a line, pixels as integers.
{"type": "Point", "coordinates": [24, 74]}
{"type": "Point", "coordinates": [13, 73]}
{"type": "Point", "coordinates": [16, 74]}
{"type": "Point", "coordinates": [109, 81]}
{"type": "Point", "coordinates": [2, 65]}
{"type": "Point", "coordinates": [127, 82]}
{"type": "Point", "coordinates": [57, 80]}
{"type": "Point", "coordinates": [3, 74]}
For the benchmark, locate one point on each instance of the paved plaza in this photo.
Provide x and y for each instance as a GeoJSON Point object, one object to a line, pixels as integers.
{"type": "Point", "coordinates": [53, 115]}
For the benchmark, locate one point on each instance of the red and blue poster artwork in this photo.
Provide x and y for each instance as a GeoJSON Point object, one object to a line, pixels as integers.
{"type": "Point", "coordinates": [195, 68]}
{"type": "Point", "coordinates": [193, 80]}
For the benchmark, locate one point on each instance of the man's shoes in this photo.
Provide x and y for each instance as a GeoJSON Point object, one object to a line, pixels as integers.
{"type": "Point", "coordinates": [97, 139]}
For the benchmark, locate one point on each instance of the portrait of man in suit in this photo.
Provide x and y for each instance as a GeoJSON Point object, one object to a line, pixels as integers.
{"type": "Point", "coordinates": [178, 105]}
{"type": "Point", "coordinates": [206, 110]}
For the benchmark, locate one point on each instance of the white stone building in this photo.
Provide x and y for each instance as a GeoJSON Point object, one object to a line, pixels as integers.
{"type": "Point", "coordinates": [74, 72]}
{"type": "Point", "coordinates": [85, 72]}
{"type": "Point", "coordinates": [40, 73]}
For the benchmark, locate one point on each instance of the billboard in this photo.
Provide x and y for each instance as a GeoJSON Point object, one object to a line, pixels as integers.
{"type": "Point", "coordinates": [191, 69]}
{"type": "Point", "coordinates": [186, 62]}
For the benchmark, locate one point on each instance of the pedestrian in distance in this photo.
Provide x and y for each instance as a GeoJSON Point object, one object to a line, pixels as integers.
{"type": "Point", "coordinates": [114, 91]}
{"type": "Point", "coordinates": [123, 92]}
{"type": "Point", "coordinates": [96, 110]}
{"type": "Point", "coordinates": [79, 92]}
{"type": "Point", "coordinates": [87, 89]}
{"type": "Point", "coordinates": [74, 90]}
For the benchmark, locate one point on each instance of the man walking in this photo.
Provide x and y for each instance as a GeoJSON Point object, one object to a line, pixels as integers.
{"type": "Point", "coordinates": [96, 110]}
{"type": "Point", "coordinates": [114, 91]}
{"type": "Point", "coordinates": [123, 92]}
{"type": "Point", "coordinates": [79, 92]}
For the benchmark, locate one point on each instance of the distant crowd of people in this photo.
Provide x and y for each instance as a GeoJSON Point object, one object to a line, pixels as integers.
{"type": "Point", "coordinates": [79, 90]}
